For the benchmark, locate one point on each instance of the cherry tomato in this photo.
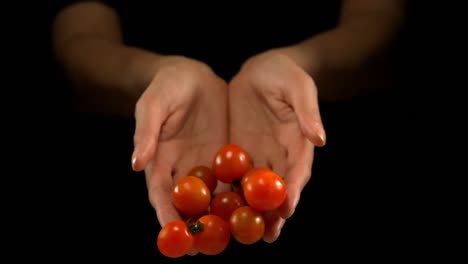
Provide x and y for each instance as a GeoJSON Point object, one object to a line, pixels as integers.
{"type": "Point", "coordinates": [214, 235]}
{"type": "Point", "coordinates": [231, 163]}
{"type": "Point", "coordinates": [191, 196]}
{"type": "Point", "coordinates": [174, 239]}
{"type": "Point", "coordinates": [204, 173]}
{"type": "Point", "coordinates": [263, 189]}
{"type": "Point", "coordinates": [224, 203]}
{"type": "Point", "coordinates": [247, 225]}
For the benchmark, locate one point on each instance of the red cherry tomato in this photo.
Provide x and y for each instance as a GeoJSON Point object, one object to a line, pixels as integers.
{"type": "Point", "coordinates": [224, 203]}
{"type": "Point", "coordinates": [213, 236]}
{"type": "Point", "coordinates": [247, 225]}
{"type": "Point", "coordinates": [174, 239]}
{"type": "Point", "coordinates": [231, 163]}
{"type": "Point", "coordinates": [191, 196]}
{"type": "Point", "coordinates": [204, 173]}
{"type": "Point", "coordinates": [263, 189]}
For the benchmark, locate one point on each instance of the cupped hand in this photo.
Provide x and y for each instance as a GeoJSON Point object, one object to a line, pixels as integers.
{"type": "Point", "coordinates": [274, 115]}
{"type": "Point", "coordinates": [181, 121]}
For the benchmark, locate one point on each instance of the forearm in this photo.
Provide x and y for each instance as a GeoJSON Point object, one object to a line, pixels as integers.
{"type": "Point", "coordinates": [351, 59]}
{"type": "Point", "coordinates": [106, 75]}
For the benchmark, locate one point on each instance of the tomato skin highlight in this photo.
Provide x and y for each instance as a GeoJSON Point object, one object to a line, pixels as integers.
{"type": "Point", "coordinates": [231, 163]}
{"type": "Point", "coordinates": [174, 239]}
{"type": "Point", "coordinates": [214, 236]}
{"type": "Point", "coordinates": [263, 189]}
{"type": "Point", "coordinates": [191, 196]}
{"type": "Point", "coordinates": [247, 225]}
{"type": "Point", "coordinates": [224, 203]}
{"type": "Point", "coordinates": [205, 173]}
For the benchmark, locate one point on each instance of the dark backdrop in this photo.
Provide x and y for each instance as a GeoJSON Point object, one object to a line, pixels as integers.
{"type": "Point", "coordinates": [357, 204]}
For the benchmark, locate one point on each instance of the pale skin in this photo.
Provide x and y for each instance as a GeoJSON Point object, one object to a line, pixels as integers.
{"type": "Point", "coordinates": [184, 112]}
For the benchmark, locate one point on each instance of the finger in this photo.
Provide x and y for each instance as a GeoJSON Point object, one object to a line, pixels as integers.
{"type": "Point", "coordinates": [149, 117]}
{"type": "Point", "coordinates": [305, 103]}
{"type": "Point", "coordinates": [297, 176]}
{"type": "Point", "coordinates": [160, 186]}
{"type": "Point", "coordinates": [295, 182]}
{"type": "Point", "coordinates": [273, 225]}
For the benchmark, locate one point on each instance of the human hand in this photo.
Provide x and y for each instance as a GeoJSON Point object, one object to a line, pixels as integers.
{"type": "Point", "coordinates": [274, 115]}
{"type": "Point", "coordinates": [181, 121]}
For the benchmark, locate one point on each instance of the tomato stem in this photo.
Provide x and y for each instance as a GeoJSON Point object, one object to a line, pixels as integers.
{"type": "Point", "coordinates": [195, 227]}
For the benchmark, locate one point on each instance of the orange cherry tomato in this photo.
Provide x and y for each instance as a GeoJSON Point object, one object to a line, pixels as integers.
{"type": "Point", "coordinates": [214, 235]}
{"type": "Point", "coordinates": [174, 239]}
{"type": "Point", "coordinates": [231, 163]}
{"type": "Point", "coordinates": [247, 225]}
{"type": "Point", "coordinates": [191, 196]}
{"type": "Point", "coordinates": [224, 203]}
{"type": "Point", "coordinates": [205, 173]}
{"type": "Point", "coordinates": [263, 189]}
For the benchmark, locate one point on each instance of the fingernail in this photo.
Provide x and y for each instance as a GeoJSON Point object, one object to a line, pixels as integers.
{"type": "Point", "coordinates": [133, 160]}
{"type": "Point", "coordinates": [322, 138]}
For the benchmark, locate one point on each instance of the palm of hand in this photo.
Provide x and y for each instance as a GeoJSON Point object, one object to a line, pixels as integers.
{"type": "Point", "coordinates": [266, 118]}
{"type": "Point", "coordinates": [193, 126]}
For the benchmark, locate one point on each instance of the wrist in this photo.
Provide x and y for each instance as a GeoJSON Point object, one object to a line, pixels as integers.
{"type": "Point", "coordinates": [145, 66]}
{"type": "Point", "coordinates": [141, 67]}
{"type": "Point", "coordinates": [305, 56]}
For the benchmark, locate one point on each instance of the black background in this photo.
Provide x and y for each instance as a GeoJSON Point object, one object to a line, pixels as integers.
{"type": "Point", "coordinates": [364, 200]}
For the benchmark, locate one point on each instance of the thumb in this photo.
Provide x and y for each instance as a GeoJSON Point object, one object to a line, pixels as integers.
{"type": "Point", "coordinates": [304, 100]}
{"type": "Point", "coordinates": [149, 116]}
